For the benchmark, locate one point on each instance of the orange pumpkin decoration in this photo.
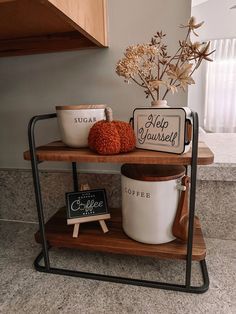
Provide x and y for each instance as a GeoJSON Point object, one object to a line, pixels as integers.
{"type": "Point", "coordinates": [108, 137]}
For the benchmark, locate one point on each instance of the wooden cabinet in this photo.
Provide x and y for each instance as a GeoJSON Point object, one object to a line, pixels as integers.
{"type": "Point", "coordinates": [41, 26]}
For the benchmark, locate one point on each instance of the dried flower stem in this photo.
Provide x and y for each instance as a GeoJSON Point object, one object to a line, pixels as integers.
{"type": "Point", "coordinates": [150, 66]}
{"type": "Point", "coordinates": [183, 47]}
{"type": "Point", "coordinates": [178, 59]}
{"type": "Point", "coordinates": [146, 84]}
{"type": "Point", "coordinates": [137, 82]}
{"type": "Point", "coordinates": [168, 63]}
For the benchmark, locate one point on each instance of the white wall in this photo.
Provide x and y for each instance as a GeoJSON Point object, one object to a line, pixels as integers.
{"type": "Point", "coordinates": [31, 85]}
{"type": "Point", "coordinates": [220, 22]}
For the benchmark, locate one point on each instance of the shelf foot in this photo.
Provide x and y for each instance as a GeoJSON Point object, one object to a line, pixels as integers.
{"type": "Point", "coordinates": [129, 281]}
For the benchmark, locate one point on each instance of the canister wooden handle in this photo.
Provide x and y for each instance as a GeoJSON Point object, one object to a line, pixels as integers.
{"type": "Point", "coordinates": [189, 130]}
{"type": "Point", "coordinates": [180, 225]}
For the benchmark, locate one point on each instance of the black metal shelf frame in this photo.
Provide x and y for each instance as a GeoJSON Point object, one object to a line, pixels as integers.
{"type": "Point", "coordinates": [44, 255]}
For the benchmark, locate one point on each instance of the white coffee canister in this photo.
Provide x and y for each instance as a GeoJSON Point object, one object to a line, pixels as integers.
{"type": "Point", "coordinates": [75, 122]}
{"type": "Point", "coordinates": [150, 196]}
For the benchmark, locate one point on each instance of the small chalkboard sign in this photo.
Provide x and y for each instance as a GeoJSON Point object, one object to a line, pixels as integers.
{"type": "Point", "coordinates": [86, 206]}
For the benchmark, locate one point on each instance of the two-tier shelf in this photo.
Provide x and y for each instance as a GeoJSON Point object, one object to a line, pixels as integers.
{"type": "Point", "coordinates": [56, 232]}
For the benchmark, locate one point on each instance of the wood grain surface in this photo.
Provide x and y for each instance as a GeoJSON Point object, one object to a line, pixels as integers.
{"type": "Point", "coordinates": [36, 26]}
{"type": "Point", "coordinates": [81, 107]}
{"type": "Point", "coordinates": [89, 17]}
{"type": "Point", "coordinates": [152, 173]}
{"type": "Point", "coordinates": [92, 238]}
{"type": "Point", "coordinates": [57, 151]}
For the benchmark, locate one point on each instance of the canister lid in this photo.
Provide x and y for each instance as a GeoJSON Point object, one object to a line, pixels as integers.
{"type": "Point", "coordinates": [152, 172]}
{"type": "Point", "coordinates": [82, 106]}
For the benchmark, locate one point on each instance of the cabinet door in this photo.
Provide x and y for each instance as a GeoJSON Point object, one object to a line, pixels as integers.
{"type": "Point", "coordinates": [88, 16]}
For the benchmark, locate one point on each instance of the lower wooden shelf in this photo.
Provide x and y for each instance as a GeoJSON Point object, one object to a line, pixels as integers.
{"type": "Point", "coordinates": [91, 238]}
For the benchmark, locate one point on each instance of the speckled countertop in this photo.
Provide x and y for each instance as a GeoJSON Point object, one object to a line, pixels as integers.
{"type": "Point", "coordinates": [223, 145]}
{"type": "Point", "coordinates": [23, 290]}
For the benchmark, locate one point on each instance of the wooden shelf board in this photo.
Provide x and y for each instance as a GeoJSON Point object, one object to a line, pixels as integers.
{"type": "Point", "coordinates": [44, 44]}
{"type": "Point", "coordinates": [35, 26]}
{"type": "Point", "coordinates": [91, 238]}
{"type": "Point", "coordinates": [27, 18]}
{"type": "Point", "coordinates": [57, 151]}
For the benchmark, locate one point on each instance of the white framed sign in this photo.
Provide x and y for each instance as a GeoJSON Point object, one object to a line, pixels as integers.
{"type": "Point", "coordinates": [163, 129]}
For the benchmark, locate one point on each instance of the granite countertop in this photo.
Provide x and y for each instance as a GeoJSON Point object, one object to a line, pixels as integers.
{"type": "Point", "coordinates": [223, 145]}
{"type": "Point", "coordinates": [23, 290]}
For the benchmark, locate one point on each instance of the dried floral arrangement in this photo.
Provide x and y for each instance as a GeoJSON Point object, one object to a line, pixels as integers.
{"type": "Point", "coordinates": [150, 66]}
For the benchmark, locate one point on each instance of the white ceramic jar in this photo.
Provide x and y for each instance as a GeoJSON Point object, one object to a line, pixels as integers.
{"type": "Point", "coordinates": [75, 122]}
{"type": "Point", "coordinates": [150, 197]}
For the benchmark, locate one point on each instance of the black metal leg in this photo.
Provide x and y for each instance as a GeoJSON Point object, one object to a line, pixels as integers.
{"type": "Point", "coordinates": [128, 281]}
{"type": "Point", "coordinates": [75, 177]}
{"type": "Point", "coordinates": [192, 199]}
{"type": "Point", "coordinates": [37, 188]}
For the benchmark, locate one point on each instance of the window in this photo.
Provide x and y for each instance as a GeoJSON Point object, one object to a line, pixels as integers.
{"type": "Point", "coordinates": [220, 99]}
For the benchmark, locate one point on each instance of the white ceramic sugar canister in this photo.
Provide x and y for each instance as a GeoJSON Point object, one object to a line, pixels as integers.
{"type": "Point", "coordinates": [150, 196]}
{"type": "Point", "coordinates": [75, 122]}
